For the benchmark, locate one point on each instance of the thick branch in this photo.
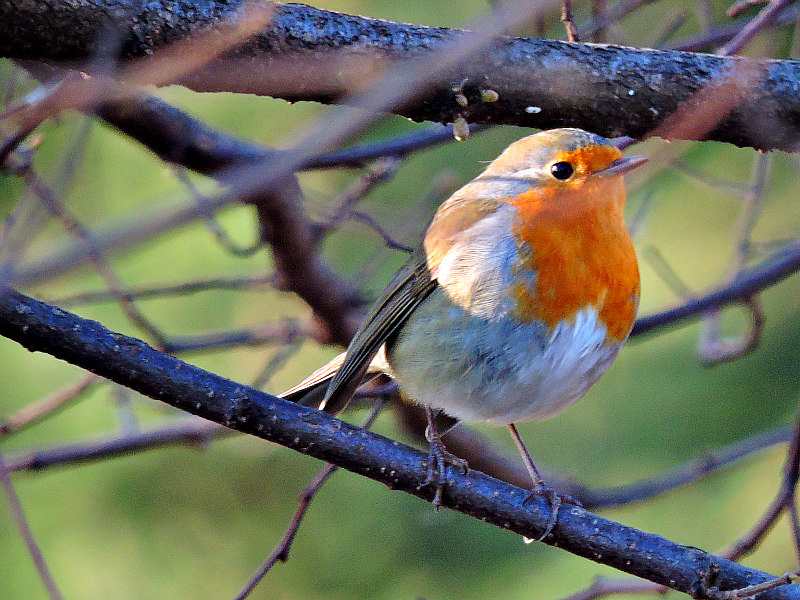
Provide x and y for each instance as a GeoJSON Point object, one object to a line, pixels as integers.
{"type": "Point", "coordinates": [311, 54]}
{"type": "Point", "coordinates": [40, 327]}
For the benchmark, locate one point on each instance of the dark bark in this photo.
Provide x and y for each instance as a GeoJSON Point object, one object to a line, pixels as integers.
{"type": "Point", "coordinates": [310, 54]}
{"type": "Point", "coordinates": [130, 362]}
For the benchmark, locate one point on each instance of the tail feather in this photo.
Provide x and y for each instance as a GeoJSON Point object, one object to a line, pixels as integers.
{"type": "Point", "coordinates": [311, 391]}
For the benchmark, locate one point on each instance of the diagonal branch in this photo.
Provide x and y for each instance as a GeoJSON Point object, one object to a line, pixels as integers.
{"type": "Point", "coordinates": [130, 362]}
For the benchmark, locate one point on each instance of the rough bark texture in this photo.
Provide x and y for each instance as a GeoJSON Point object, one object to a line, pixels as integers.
{"type": "Point", "coordinates": [310, 54]}
{"type": "Point", "coordinates": [131, 362]}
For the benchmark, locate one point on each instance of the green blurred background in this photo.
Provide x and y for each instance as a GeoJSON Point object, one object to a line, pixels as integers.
{"type": "Point", "coordinates": [195, 523]}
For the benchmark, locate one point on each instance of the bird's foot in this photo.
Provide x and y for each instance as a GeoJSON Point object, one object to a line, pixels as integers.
{"type": "Point", "coordinates": [555, 500]}
{"type": "Point", "coordinates": [437, 467]}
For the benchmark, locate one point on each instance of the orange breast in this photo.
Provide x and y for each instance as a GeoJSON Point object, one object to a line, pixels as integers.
{"type": "Point", "coordinates": [575, 242]}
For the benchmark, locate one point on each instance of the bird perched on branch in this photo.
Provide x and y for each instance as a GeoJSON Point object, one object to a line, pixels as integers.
{"type": "Point", "coordinates": [519, 298]}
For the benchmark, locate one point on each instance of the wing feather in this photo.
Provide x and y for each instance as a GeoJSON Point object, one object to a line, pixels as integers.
{"type": "Point", "coordinates": [410, 286]}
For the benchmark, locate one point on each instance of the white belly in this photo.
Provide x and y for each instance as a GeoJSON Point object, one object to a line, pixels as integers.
{"type": "Point", "coordinates": [498, 371]}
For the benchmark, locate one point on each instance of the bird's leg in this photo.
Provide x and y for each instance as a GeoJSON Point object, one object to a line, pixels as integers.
{"type": "Point", "coordinates": [439, 457]}
{"type": "Point", "coordinates": [540, 488]}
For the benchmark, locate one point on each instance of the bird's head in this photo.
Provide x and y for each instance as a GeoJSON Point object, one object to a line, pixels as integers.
{"type": "Point", "coordinates": [560, 159]}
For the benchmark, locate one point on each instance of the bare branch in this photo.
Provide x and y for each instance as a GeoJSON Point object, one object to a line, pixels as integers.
{"type": "Point", "coordinates": [574, 84]}
{"type": "Point", "coordinates": [183, 288]}
{"type": "Point", "coordinates": [767, 16]}
{"type": "Point", "coordinates": [281, 552]}
{"type": "Point", "coordinates": [130, 362]}
{"type": "Point", "coordinates": [191, 432]}
{"type": "Point", "coordinates": [47, 406]}
{"type": "Point", "coordinates": [270, 333]}
{"type": "Point", "coordinates": [569, 23]}
{"type": "Point", "coordinates": [27, 535]}
{"type": "Point", "coordinates": [614, 587]}
{"type": "Point", "coordinates": [773, 270]}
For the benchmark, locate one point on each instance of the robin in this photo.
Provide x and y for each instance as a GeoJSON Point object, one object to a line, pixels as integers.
{"type": "Point", "coordinates": [521, 295]}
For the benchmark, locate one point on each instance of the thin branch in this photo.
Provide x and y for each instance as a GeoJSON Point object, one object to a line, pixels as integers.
{"type": "Point", "coordinates": [712, 348]}
{"type": "Point", "coordinates": [271, 333]}
{"type": "Point", "coordinates": [773, 270]}
{"type": "Point", "coordinates": [186, 432]}
{"type": "Point", "coordinates": [599, 12]}
{"type": "Point", "coordinates": [378, 174]}
{"type": "Point", "coordinates": [27, 535]}
{"type": "Point", "coordinates": [606, 586]}
{"type": "Point", "coordinates": [569, 22]}
{"type": "Point", "coordinates": [184, 288]}
{"type": "Point", "coordinates": [613, 15]}
{"type": "Point", "coordinates": [60, 212]}
{"type": "Point", "coordinates": [752, 590]}
{"type": "Point", "coordinates": [275, 362]}
{"type": "Point", "coordinates": [713, 37]}
{"type": "Point", "coordinates": [764, 19]}
{"type": "Point", "coordinates": [281, 552]}
{"type": "Point", "coordinates": [373, 224]}
{"type": "Point", "coordinates": [130, 362]}
{"type": "Point", "coordinates": [783, 499]}
{"type": "Point", "coordinates": [47, 406]}
{"type": "Point", "coordinates": [689, 472]}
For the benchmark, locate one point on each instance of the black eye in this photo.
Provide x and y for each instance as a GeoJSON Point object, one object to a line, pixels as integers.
{"type": "Point", "coordinates": [562, 170]}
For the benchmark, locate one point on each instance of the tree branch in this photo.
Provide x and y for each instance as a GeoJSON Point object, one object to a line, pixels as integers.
{"type": "Point", "coordinates": [750, 282]}
{"type": "Point", "coordinates": [310, 54]}
{"type": "Point", "coordinates": [130, 362]}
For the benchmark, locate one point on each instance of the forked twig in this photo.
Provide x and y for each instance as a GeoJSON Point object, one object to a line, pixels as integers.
{"type": "Point", "coordinates": [281, 552]}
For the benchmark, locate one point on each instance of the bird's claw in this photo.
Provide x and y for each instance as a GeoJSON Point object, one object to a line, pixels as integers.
{"type": "Point", "coordinates": [555, 500]}
{"type": "Point", "coordinates": [437, 468]}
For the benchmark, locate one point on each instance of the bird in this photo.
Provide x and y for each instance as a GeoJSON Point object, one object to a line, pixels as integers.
{"type": "Point", "coordinates": [521, 294]}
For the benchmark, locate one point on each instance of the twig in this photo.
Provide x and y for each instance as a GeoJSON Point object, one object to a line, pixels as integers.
{"type": "Point", "coordinates": [281, 552]}
{"type": "Point", "coordinates": [569, 23]}
{"type": "Point", "coordinates": [712, 349]}
{"type": "Point", "coordinates": [616, 13]}
{"type": "Point", "coordinates": [773, 270]}
{"type": "Point", "coordinates": [379, 173]}
{"type": "Point", "coordinates": [239, 284]}
{"type": "Point", "coordinates": [689, 472]}
{"type": "Point", "coordinates": [185, 431]}
{"type": "Point", "coordinates": [713, 37]}
{"type": "Point", "coordinates": [369, 220]}
{"type": "Point", "coordinates": [752, 590]}
{"type": "Point", "coordinates": [47, 406]}
{"type": "Point", "coordinates": [270, 333]}
{"type": "Point", "coordinates": [276, 361]}
{"type": "Point", "coordinates": [599, 9]}
{"type": "Point", "coordinates": [709, 180]}
{"type": "Point", "coordinates": [764, 19]}
{"type": "Point", "coordinates": [738, 7]}
{"type": "Point", "coordinates": [783, 499]}
{"type": "Point", "coordinates": [60, 212]}
{"type": "Point", "coordinates": [25, 532]}
{"type": "Point", "coordinates": [668, 29]}
{"type": "Point", "coordinates": [606, 586]}
{"type": "Point", "coordinates": [213, 224]}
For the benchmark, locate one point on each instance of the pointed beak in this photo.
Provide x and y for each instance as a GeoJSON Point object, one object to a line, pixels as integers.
{"type": "Point", "coordinates": [622, 166]}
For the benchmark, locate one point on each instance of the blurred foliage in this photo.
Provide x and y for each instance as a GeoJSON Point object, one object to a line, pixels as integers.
{"type": "Point", "coordinates": [195, 523]}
